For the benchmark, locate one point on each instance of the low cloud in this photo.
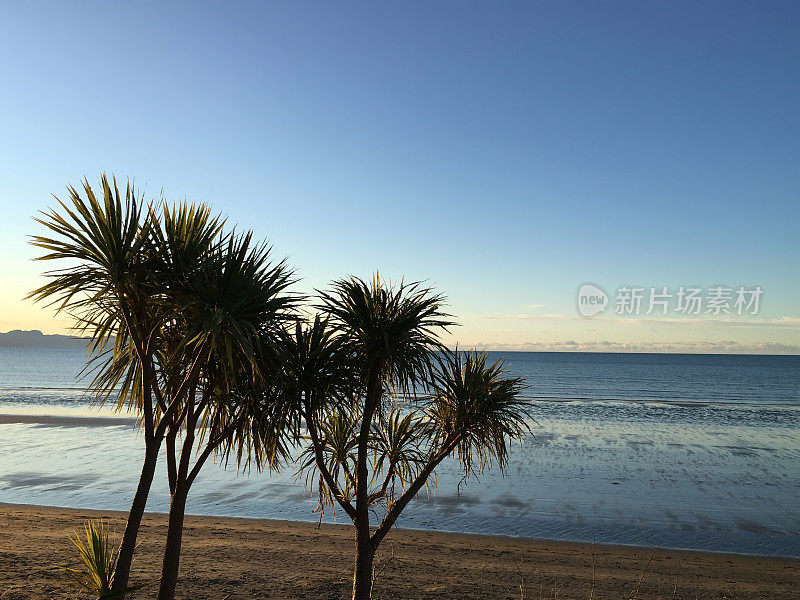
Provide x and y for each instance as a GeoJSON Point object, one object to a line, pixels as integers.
{"type": "Point", "coordinates": [710, 347]}
{"type": "Point", "coordinates": [523, 316]}
{"type": "Point", "coordinates": [698, 321]}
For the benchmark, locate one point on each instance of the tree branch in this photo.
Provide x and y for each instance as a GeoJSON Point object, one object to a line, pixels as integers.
{"type": "Point", "coordinates": [384, 486]}
{"type": "Point", "coordinates": [147, 372]}
{"type": "Point", "coordinates": [172, 467]}
{"type": "Point", "coordinates": [164, 422]}
{"type": "Point", "coordinates": [414, 488]}
{"type": "Point", "coordinates": [212, 445]}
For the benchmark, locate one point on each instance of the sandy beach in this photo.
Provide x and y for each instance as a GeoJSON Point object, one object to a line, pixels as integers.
{"type": "Point", "coordinates": [248, 558]}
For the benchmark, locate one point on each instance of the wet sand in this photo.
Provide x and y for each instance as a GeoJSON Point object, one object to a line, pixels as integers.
{"type": "Point", "coordinates": [66, 420]}
{"type": "Point", "coordinates": [247, 558]}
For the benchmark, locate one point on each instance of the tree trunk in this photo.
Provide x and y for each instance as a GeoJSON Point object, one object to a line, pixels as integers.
{"type": "Point", "coordinates": [128, 546]}
{"type": "Point", "coordinates": [172, 551]}
{"type": "Point", "coordinates": [362, 577]}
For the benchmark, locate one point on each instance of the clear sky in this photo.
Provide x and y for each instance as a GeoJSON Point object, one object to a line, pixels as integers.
{"type": "Point", "coordinates": [505, 152]}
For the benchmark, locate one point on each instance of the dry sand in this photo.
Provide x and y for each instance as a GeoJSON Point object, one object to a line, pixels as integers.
{"type": "Point", "coordinates": [244, 558]}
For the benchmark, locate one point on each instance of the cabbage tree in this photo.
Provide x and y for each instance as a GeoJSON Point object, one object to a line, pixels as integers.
{"type": "Point", "coordinates": [233, 307]}
{"type": "Point", "coordinates": [380, 403]}
{"type": "Point", "coordinates": [111, 283]}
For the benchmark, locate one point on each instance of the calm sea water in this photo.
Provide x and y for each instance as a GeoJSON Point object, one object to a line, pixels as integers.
{"type": "Point", "coordinates": [682, 451]}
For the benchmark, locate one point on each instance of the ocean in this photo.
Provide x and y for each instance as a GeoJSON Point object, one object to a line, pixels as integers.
{"type": "Point", "coordinates": [677, 451]}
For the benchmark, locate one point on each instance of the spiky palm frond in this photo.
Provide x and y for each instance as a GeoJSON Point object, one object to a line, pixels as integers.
{"type": "Point", "coordinates": [104, 241]}
{"type": "Point", "coordinates": [186, 234]}
{"type": "Point", "coordinates": [257, 435]}
{"type": "Point", "coordinates": [394, 328]}
{"type": "Point", "coordinates": [247, 415]}
{"type": "Point", "coordinates": [400, 449]}
{"type": "Point", "coordinates": [236, 294]}
{"type": "Point", "coordinates": [234, 311]}
{"type": "Point", "coordinates": [314, 368]}
{"type": "Point", "coordinates": [480, 404]}
{"type": "Point", "coordinates": [338, 436]}
{"type": "Point", "coordinates": [116, 371]}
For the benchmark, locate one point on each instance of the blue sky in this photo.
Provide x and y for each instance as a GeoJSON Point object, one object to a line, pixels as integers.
{"type": "Point", "coordinates": [507, 153]}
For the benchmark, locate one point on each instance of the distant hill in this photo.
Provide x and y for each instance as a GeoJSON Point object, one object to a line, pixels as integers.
{"type": "Point", "coordinates": [36, 339]}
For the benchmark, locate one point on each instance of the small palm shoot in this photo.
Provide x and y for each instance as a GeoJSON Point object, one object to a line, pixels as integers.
{"type": "Point", "coordinates": [99, 557]}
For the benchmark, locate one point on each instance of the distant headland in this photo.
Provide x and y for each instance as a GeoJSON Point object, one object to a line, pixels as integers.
{"type": "Point", "coordinates": [36, 339]}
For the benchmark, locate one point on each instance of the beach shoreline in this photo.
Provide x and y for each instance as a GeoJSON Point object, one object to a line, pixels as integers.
{"type": "Point", "coordinates": [257, 558]}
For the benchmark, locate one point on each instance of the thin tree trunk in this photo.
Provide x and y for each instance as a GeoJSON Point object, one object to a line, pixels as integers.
{"type": "Point", "coordinates": [365, 552]}
{"type": "Point", "coordinates": [172, 551]}
{"type": "Point", "coordinates": [362, 576]}
{"type": "Point", "coordinates": [126, 549]}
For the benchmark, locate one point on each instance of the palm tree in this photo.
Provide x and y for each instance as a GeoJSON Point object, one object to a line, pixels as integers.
{"type": "Point", "coordinates": [114, 288]}
{"type": "Point", "coordinates": [348, 375]}
{"type": "Point", "coordinates": [391, 333]}
{"type": "Point", "coordinates": [233, 306]}
{"type": "Point", "coordinates": [106, 244]}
